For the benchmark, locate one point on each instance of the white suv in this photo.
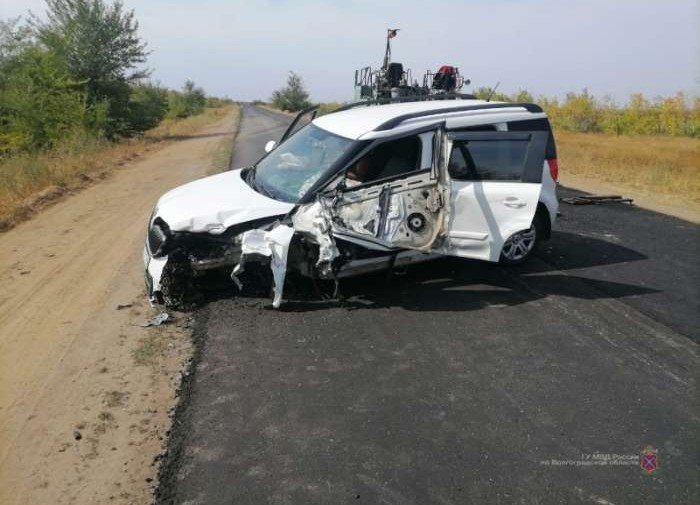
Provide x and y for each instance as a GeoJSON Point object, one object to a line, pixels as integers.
{"type": "Point", "coordinates": [366, 188]}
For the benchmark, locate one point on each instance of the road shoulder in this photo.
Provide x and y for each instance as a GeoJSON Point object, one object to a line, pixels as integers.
{"type": "Point", "coordinates": [664, 204]}
{"type": "Point", "coordinates": [85, 392]}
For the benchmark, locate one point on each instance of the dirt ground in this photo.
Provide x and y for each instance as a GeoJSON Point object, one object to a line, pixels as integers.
{"type": "Point", "coordinates": [85, 392]}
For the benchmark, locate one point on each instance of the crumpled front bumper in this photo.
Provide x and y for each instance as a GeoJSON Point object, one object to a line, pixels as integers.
{"type": "Point", "coordinates": [153, 272]}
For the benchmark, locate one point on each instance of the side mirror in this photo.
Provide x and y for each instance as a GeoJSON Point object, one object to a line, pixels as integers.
{"type": "Point", "coordinates": [270, 146]}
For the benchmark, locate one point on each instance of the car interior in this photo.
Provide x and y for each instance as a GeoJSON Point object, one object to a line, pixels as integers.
{"type": "Point", "coordinates": [390, 159]}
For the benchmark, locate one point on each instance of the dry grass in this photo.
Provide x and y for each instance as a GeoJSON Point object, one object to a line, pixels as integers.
{"type": "Point", "coordinates": [223, 150]}
{"type": "Point", "coordinates": [178, 128]}
{"type": "Point", "coordinates": [29, 182]}
{"type": "Point", "coordinates": [667, 165]}
{"type": "Point", "coordinates": [151, 349]}
{"type": "Point", "coordinates": [221, 156]}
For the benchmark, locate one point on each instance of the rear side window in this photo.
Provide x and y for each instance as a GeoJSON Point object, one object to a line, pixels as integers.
{"type": "Point", "coordinates": [536, 125]}
{"type": "Point", "coordinates": [488, 160]}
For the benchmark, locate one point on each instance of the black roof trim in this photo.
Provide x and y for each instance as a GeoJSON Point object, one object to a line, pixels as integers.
{"type": "Point", "coordinates": [394, 122]}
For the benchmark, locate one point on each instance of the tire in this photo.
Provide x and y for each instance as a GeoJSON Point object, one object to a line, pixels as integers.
{"type": "Point", "coordinates": [178, 289]}
{"type": "Point", "coordinates": [520, 246]}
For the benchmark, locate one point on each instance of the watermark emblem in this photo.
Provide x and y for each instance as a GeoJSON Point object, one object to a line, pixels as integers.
{"type": "Point", "coordinates": [649, 460]}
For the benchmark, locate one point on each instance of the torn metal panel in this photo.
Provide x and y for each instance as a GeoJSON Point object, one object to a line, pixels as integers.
{"type": "Point", "coordinates": [161, 318]}
{"type": "Point", "coordinates": [154, 272]}
{"type": "Point", "coordinates": [383, 207]}
{"type": "Point", "coordinates": [273, 244]}
{"type": "Point", "coordinates": [399, 216]}
{"type": "Point", "coordinates": [314, 220]}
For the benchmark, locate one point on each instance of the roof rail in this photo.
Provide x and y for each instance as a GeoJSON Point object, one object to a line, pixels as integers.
{"type": "Point", "coordinates": [405, 99]}
{"type": "Point", "coordinates": [394, 122]}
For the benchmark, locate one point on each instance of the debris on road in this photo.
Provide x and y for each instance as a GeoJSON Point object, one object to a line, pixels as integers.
{"type": "Point", "coordinates": [596, 200]}
{"type": "Point", "coordinates": [187, 323]}
{"type": "Point", "coordinates": [121, 306]}
{"type": "Point", "coordinates": [161, 318]}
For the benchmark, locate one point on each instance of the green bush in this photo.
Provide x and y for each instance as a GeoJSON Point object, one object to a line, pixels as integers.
{"type": "Point", "coordinates": [188, 102]}
{"type": "Point", "coordinates": [40, 104]}
{"type": "Point", "coordinates": [293, 97]}
{"type": "Point", "coordinates": [148, 105]}
{"type": "Point", "coordinates": [98, 44]}
{"type": "Point", "coordinates": [582, 112]}
{"type": "Point", "coordinates": [213, 101]}
{"type": "Point", "coordinates": [60, 82]}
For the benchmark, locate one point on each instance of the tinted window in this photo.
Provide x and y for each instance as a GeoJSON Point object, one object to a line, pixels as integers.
{"type": "Point", "coordinates": [536, 125]}
{"type": "Point", "coordinates": [488, 160]}
{"type": "Point", "coordinates": [477, 128]}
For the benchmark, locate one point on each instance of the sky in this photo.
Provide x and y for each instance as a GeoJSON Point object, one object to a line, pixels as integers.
{"type": "Point", "coordinates": [245, 48]}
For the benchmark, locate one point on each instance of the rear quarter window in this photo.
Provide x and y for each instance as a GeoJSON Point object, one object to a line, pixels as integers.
{"type": "Point", "coordinates": [491, 160]}
{"type": "Point", "coordinates": [536, 125]}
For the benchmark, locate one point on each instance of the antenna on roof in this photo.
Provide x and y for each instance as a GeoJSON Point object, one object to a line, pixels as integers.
{"type": "Point", "coordinates": [390, 34]}
{"type": "Point", "coordinates": [493, 90]}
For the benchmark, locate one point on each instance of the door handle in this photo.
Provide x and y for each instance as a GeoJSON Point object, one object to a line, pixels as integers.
{"type": "Point", "coordinates": [514, 203]}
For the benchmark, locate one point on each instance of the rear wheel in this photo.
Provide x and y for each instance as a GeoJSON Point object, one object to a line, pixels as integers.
{"type": "Point", "coordinates": [521, 245]}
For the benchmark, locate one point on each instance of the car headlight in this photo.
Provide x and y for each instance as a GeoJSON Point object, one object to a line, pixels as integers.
{"type": "Point", "coordinates": [157, 235]}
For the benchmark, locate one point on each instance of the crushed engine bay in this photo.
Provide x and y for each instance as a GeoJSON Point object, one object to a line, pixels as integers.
{"type": "Point", "coordinates": [409, 219]}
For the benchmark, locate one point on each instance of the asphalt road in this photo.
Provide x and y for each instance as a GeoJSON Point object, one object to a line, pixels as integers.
{"type": "Point", "coordinates": [458, 381]}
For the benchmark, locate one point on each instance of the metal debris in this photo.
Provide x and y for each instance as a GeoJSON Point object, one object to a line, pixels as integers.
{"type": "Point", "coordinates": [184, 324]}
{"type": "Point", "coordinates": [596, 200]}
{"type": "Point", "coordinates": [161, 318]}
{"type": "Point", "coordinates": [273, 244]}
{"type": "Point", "coordinates": [314, 221]}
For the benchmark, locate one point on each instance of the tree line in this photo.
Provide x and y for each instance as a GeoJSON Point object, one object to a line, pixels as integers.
{"type": "Point", "coordinates": [678, 115]}
{"type": "Point", "coordinates": [78, 72]}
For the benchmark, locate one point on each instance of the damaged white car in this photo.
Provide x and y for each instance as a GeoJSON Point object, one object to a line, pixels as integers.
{"type": "Point", "coordinates": [364, 189]}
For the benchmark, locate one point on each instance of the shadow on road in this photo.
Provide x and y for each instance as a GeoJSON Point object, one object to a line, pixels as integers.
{"type": "Point", "coordinates": [569, 251]}
{"type": "Point", "coordinates": [450, 284]}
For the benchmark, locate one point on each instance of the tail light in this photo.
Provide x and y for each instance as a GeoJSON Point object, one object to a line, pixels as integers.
{"type": "Point", "coordinates": [553, 168]}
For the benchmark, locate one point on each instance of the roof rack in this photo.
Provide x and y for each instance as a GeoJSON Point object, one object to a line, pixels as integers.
{"type": "Point", "coordinates": [404, 99]}
{"type": "Point", "coordinates": [394, 122]}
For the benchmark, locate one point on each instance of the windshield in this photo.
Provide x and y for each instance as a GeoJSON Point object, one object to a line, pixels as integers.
{"type": "Point", "coordinates": [291, 169]}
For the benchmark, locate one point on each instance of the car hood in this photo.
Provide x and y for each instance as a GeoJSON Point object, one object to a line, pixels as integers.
{"type": "Point", "coordinates": [215, 203]}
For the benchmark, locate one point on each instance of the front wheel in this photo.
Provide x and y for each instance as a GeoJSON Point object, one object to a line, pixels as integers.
{"type": "Point", "coordinates": [521, 245]}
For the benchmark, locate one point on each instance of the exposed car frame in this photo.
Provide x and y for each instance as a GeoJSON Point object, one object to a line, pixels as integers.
{"type": "Point", "coordinates": [176, 253]}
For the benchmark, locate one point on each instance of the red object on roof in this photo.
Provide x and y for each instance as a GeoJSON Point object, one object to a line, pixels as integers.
{"type": "Point", "coordinates": [446, 69]}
